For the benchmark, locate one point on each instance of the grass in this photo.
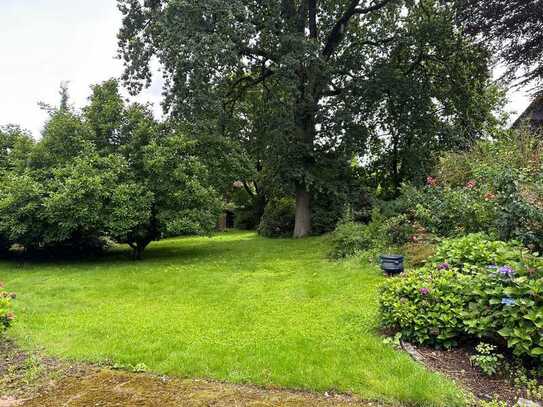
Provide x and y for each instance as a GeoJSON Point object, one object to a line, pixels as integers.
{"type": "Point", "coordinates": [236, 307]}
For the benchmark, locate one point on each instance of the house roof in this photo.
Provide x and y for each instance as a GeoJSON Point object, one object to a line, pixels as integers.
{"type": "Point", "coordinates": [533, 115]}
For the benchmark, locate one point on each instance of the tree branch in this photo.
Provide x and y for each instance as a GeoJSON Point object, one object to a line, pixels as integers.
{"type": "Point", "coordinates": [338, 32]}
{"type": "Point", "coordinates": [248, 189]}
{"type": "Point", "coordinates": [251, 81]}
{"type": "Point", "coordinates": [313, 29]}
{"type": "Point", "coordinates": [369, 9]}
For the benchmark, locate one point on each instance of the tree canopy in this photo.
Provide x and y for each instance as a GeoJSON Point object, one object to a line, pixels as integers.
{"type": "Point", "coordinates": [512, 30]}
{"type": "Point", "coordinates": [318, 79]}
{"type": "Point", "coordinates": [112, 172]}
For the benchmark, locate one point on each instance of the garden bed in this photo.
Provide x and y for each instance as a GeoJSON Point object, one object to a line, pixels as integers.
{"type": "Point", "coordinates": [455, 364]}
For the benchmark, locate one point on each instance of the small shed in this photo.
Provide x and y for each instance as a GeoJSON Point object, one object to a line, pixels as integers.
{"type": "Point", "coordinates": [226, 220]}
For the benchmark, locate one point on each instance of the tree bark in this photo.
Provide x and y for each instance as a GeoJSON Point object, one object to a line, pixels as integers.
{"type": "Point", "coordinates": [138, 248]}
{"type": "Point", "coordinates": [302, 226]}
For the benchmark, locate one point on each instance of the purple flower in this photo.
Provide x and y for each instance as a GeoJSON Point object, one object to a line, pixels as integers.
{"type": "Point", "coordinates": [424, 291]}
{"type": "Point", "coordinates": [443, 266]}
{"type": "Point", "coordinates": [508, 301]}
{"type": "Point", "coordinates": [506, 271]}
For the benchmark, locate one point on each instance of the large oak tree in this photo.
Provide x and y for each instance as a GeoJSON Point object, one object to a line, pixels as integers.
{"type": "Point", "coordinates": [313, 62]}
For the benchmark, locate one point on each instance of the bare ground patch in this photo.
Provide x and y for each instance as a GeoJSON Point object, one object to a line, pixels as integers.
{"type": "Point", "coordinates": [34, 380]}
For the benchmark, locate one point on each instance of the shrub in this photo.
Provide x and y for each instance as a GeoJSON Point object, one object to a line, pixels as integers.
{"type": "Point", "coordinates": [350, 238]}
{"type": "Point", "coordinates": [496, 294]}
{"type": "Point", "coordinates": [447, 211]}
{"type": "Point", "coordinates": [479, 250]}
{"type": "Point", "coordinates": [495, 188]}
{"type": "Point", "coordinates": [6, 314]}
{"type": "Point", "coordinates": [425, 306]}
{"type": "Point", "coordinates": [397, 230]}
{"type": "Point", "coordinates": [278, 218]}
{"type": "Point", "coordinates": [486, 359]}
{"type": "Point", "coordinates": [508, 305]}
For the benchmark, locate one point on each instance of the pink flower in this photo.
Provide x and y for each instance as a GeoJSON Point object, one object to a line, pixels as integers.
{"type": "Point", "coordinates": [431, 181]}
{"type": "Point", "coordinates": [414, 239]}
{"type": "Point", "coordinates": [471, 184]}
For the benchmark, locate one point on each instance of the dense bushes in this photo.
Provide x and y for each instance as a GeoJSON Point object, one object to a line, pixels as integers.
{"type": "Point", "coordinates": [278, 218]}
{"type": "Point", "coordinates": [425, 306]}
{"type": "Point", "coordinates": [495, 188]}
{"type": "Point", "coordinates": [473, 287]}
{"type": "Point", "coordinates": [447, 211]}
{"type": "Point", "coordinates": [6, 314]}
{"type": "Point", "coordinates": [95, 177]}
{"type": "Point", "coordinates": [351, 238]}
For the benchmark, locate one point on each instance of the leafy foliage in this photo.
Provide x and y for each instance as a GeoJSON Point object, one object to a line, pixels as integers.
{"type": "Point", "coordinates": [426, 306]}
{"type": "Point", "coordinates": [512, 28]}
{"type": "Point", "coordinates": [6, 313]}
{"type": "Point", "coordinates": [112, 173]}
{"type": "Point", "coordinates": [462, 295]}
{"type": "Point", "coordinates": [480, 251]}
{"type": "Point", "coordinates": [278, 218]}
{"type": "Point", "coordinates": [494, 188]}
{"type": "Point", "coordinates": [486, 359]}
{"type": "Point", "coordinates": [351, 238]}
{"type": "Point", "coordinates": [307, 83]}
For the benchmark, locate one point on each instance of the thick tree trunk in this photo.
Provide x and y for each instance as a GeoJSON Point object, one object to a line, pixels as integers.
{"type": "Point", "coordinates": [138, 248]}
{"type": "Point", "coordinates": [302, 226]}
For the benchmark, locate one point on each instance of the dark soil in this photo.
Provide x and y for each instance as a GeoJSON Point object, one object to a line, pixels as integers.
{"type": "Point", "coordinates": [22, 374]}
{"type": "Point", "coordinates": [456, 364]}
{"type": "Point", "coordinates": [36, 381]}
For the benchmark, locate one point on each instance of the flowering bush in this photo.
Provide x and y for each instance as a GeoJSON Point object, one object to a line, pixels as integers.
{"type": "Point", "coordinates": [479, 250]}
{"type": "Point", "coordinates": [6, 314]}
{"type": "Point", "coordinates": [425, 305]}
{"type": "Point", "coordinates": [495, 188]}
{"type": "Point", "coordinates": [496, 295]}
{"type": "Point", "coordinates": [507, 304]}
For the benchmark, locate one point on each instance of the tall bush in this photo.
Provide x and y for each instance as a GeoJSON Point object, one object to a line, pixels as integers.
{"type": "Point", "coordinates": [495, 188]}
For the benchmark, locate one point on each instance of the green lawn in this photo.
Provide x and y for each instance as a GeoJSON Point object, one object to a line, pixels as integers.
{"type": "Point", "coordinates": [235, 307]}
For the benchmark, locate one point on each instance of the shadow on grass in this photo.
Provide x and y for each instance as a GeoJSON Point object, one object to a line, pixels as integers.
{"type": "Point", "coordinates": [181, 249]}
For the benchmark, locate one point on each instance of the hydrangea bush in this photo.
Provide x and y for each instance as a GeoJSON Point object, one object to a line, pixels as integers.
{"type": "Point", "coordinates": [495, 294]}
{"type": "Point", "coordinates": [6, 313]}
